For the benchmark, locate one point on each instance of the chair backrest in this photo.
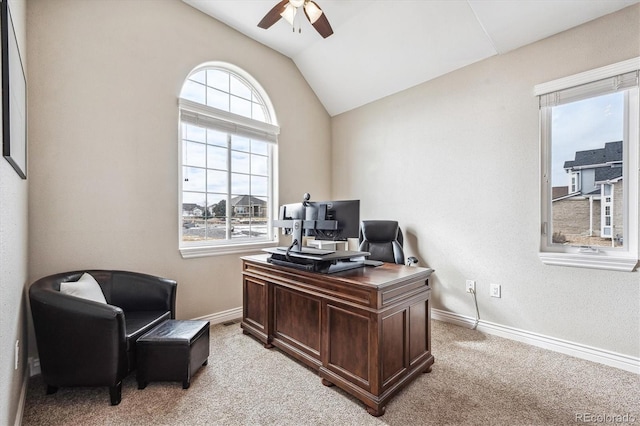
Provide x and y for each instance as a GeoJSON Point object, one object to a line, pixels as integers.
{"type": "Point", "coordinates": [383, 239]}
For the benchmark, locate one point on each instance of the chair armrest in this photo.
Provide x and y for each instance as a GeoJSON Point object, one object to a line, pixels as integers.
{"type": "Point", "coordinates": [133, 291]}
{"type": "Point", "coordinates": [80, 342]}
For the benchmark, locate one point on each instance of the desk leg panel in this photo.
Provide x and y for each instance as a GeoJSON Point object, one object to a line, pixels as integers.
{"type": "Point", "coordinates": [297, 320]}
{"type": "Point", "coordinates": [348, 345]}
{"type": "Point", "coordinates": [419, 331]}
{"type": "Point", "coordinates": [255, 310]}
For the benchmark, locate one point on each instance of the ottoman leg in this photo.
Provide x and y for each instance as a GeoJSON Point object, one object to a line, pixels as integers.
{"type": "Point", "coordinates": [142, 384]}
{"type": "Point", "coordinates": [206, 361]}
{"type": "Point", "coordinates": [186, 384]}
{"type": "Point", "coordinates": [116, 393]}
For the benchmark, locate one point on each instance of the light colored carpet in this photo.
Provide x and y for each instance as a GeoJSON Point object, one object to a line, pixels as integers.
{"type": "Point", "coordinates": [477, 379]}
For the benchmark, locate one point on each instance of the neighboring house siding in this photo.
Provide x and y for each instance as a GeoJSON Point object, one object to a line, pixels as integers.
{"type": "Point", "coordinates": [588, 178]}
{"type": "Point", "coordinates": [571, 216]}
{"type": "Point", "coordinates": [618, 217]}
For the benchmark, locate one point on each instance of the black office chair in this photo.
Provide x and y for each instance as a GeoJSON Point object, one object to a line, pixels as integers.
{"type": "Point", "coordinates": [383, 239]}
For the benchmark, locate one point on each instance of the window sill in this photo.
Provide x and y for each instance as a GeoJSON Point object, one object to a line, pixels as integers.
{"type": "Point", "coordinates": [593, 261]}
{"type": "Point", "coordinates": [221, 250]}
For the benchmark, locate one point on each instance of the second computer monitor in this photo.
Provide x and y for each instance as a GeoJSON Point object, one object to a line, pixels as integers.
{"type": "Point", "coordinates": [345, 212]}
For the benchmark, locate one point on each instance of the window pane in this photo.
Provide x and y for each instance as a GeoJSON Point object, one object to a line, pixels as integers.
{"type": "Point", "coordinates": [259, 165]}
{"type": "Point", "coordinates": [198, 77]}
{"type": "Point", "coordinates": [215, 137]}
{"type": "Point", "coordinates": [193, 200]}
{"type": "Point", "coordinates": [257, 112]}
{"type": "Point", "coordinates": [193, 91]}
{"type": "Point", "coordinates": [216, 181]}
{"type": "Point", "coordinates": [258, 147]}
{"type": "Point", "coordinates": [586, 163]}
{"type": "Point", "coordinates": [239, 162]}
{"type": "Point", "coordinates": [193, 179]}
{"type": "Point", "coordinates": [193, 154]}
{"type": "Point", "coordinates": [238, 88]}
{"type": "Point", "coordinates": [218, 79]}
{"type": "Point", "coordinates": [218, 99]}
{"type": "Point", "coordinates": [216, 220]}
{"type": "Point", "coordinates": [239, 184]}
{"type": "Point", "coordinates": [260, 205]}
{"type": "Point", "coordinates": [259, 217]}
{"type": "Point", "coordinates": [259, 185]}
{"type": "Point", "coordinates": [192, 221]}
{"type": "Point", "coordinates": [240, 106]}
{"type": "Point", "coordinates": [239, 143]}
{"type": "Point", "coordinates": [217, 158]}
{"type": "Point", "coordinates": [194, 133]}
{"type": "Point", "coordinates": [217, 205]}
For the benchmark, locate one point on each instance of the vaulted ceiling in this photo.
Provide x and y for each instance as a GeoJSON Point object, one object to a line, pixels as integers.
{"type": "Point", "coordinates": [380, 47]}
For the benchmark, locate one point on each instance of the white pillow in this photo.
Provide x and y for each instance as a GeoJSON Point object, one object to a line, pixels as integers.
{"type": "Point", "coordinates": [86, 287]}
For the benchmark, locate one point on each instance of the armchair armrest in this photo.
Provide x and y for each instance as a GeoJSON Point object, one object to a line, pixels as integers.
{"type": "Point", "coordinates": [80, 342]}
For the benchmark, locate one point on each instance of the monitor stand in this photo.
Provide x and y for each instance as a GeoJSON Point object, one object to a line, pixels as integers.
{"type": "Point", "coordinates": [323, 263]}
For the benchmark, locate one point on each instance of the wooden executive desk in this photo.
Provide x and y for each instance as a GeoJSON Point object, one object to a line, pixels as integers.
{"type": "Point", "coordinates": [365, 330]}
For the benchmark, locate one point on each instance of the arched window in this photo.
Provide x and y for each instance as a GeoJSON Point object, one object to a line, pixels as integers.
{"type": "Point", "coordinates": [228, 137]}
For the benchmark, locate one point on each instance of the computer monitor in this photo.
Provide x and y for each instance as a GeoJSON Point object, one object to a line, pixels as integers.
{"type": "Point", "coordinates": [324, 220]}
{"type": "Point", "coordinates": [345, 212]}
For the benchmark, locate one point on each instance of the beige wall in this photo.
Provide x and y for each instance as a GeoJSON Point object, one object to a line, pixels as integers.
{"type": "Point", "coordinates": [13, 264]}
{"type": "Point", "coordinates": [104, 83]}
{"type": "Point", "coordinates": [456, 161]}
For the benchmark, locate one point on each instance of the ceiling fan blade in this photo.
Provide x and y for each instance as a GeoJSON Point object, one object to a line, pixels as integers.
{"type": "Point", "coordinates": [273, 15]}
{"type": "Point", "coordinates": [318, 19]}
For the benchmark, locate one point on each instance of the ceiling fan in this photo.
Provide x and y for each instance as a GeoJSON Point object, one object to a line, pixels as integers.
{"type": "Point", "coordinates": [287, 9]}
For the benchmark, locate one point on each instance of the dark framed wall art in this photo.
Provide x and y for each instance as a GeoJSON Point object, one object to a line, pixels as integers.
{"type": "Point", "coordinates": [14, 96]}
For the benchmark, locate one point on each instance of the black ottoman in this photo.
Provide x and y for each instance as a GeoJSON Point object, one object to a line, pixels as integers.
{"type": "Point", "coordinates": [173, 351]}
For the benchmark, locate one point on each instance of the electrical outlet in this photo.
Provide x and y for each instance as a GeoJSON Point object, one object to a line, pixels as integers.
{"type": "Point", "coordinates": [34, 366]}
{"type": "Point", "coordinates": [494, 290]}
{"type": "Point", "coordinates": [470, 286]}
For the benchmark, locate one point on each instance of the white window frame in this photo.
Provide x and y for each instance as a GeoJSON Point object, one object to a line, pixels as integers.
{"type": "Point", "coordinates": [606, 204]}
{"type": "Point", "coordinates": [210, 117]}
{"type": "Point", "coordinates": [609, 258]}
{"type": "Point", "coordinates": [575, 184]}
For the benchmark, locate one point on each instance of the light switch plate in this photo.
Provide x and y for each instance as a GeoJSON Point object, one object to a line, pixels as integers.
{"type": "Point", "coordinates": [494, 290]}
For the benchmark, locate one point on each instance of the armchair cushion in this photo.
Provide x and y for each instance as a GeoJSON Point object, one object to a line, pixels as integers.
{"type": "Point", "coordinates": [86, 288]}
{"type": "Point", "coordinates": [138, 323]}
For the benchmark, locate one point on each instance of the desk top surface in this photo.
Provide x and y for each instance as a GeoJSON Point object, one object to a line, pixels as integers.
{"type": "Point", "coordinates": [376, 276]}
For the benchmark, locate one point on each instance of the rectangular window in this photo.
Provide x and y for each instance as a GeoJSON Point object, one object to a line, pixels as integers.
{"type": "Point", "coordinates": [575, 182]}
{"type": "Point", "coordinates": [227, 196]}
{"type": "Point", "coordinates": [225, 188]}
{"type": "Point", "coordinates": [589, 148]}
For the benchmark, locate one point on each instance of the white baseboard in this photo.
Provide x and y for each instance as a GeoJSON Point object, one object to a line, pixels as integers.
{"type": "Point", "coordinates": [22, 400]}
{"type": "Point", "coordinates": [612, 359]}
{"type": "Point", "coordinates": [224, 316]}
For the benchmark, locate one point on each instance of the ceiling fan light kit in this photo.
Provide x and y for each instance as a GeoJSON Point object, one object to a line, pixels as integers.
{"type": "Point", "coordinates": [288, 9]}
{"type": "Point", "coordinates": [289, 13]}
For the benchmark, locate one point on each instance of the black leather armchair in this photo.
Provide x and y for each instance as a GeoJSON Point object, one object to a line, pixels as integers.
{"type": "Point", "coordinates": [384, 240]}
{"type": "Point", "coordinates": [87, 343]}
